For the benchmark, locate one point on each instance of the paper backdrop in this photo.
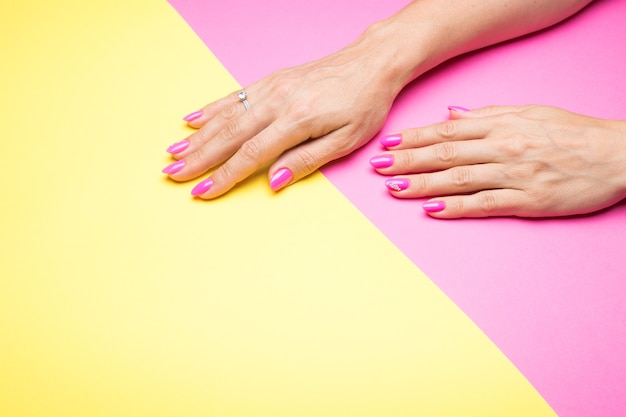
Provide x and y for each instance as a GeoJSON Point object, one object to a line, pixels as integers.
{"type": "Point", "coordinates": [120, 295]}
{"type": "Point", "coordinates": [549, 293]}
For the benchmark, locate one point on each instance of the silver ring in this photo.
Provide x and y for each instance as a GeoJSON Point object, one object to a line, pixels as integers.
{"type": "Point", "coordinates": [243, 97]}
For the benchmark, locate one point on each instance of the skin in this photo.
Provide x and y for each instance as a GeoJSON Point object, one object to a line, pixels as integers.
{"type": "Point", "coordinates": [293, 123]}
{"type": "Point", "coordinates": [530, 161]}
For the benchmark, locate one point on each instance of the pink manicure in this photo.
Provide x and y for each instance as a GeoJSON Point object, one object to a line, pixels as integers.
{"type": "Point", "coordinates": [280, 178]}
{"type": "Point", "coordinates": [174, 168]}
{"type": "Point", "coordinates": [391, 140]}
{"type": "Point", "coordinates": [397, 184]}
{"type": "Point", "coordinates": [178, 147]}
{"type": "Point", "coordinates": [202, 187]}
{"type": "Point", "coordinates": [458, 108]}
{"type": "Point", "coordinates": [434, 206]}
{"type": "Point", "coordinates": [193, 116]}
{"type": "Point", "coordinates": [382, 161]}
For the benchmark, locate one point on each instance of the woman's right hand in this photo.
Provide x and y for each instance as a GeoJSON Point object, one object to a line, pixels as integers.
{"type": "Point", "coordinates": [530, 161]}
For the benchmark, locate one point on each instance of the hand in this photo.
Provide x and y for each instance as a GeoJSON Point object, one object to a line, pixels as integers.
{"type": "Point", "coordinates": [531, 161]}
{"type": "Point", "coordinates": [301, 118]}
{"type": "Point", "coordinates": [304, 117]}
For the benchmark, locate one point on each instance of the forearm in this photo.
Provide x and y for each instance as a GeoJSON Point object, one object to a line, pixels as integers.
{"type": "Point", "coordinates": [428, 32]}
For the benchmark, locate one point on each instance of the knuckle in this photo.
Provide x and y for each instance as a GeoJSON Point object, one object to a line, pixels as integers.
{"type": "Point", "coordinates": [195, 158]}
{"type": "Point", "coordinates": [406, 159]}
{"type": "Point", "coordinates": [299, 112]}
{"type": "Point", "coordinates": [231, 131]}
{"type": "Point", "coordinates": [229, 111]}
{"type": "Point", "coordinates": [283, 87]}
{"type": "Point", "coordinates": [250, 151]}
{"type": "Point", "coordinates": [226, 172]}
{"type": "Point", "coordinates": [487, 202]}
{"type": "Point", "coordinates": [307, 160]}
{"type": "Point", "coordinates": [445, 151]}
{"type": "Point", "coordinates": [447, 129]}
{"type": "Point", "coordinates": [514, 146]}
{"type": "Point", "coordinates": [423, 183]}
{"type": "Point", "coordinates": [461, 176]}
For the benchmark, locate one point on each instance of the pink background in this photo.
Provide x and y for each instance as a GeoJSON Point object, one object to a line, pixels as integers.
{"type": "Point", "coordinates": [550, 293]}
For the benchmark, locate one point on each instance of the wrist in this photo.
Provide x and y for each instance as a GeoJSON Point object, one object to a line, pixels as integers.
{"type": "Point", "coordinates": [399, 54]}
{"type": "Point", "coordinates": [417, 39]}
{"type": "Point", "coordinates": [428, 32]}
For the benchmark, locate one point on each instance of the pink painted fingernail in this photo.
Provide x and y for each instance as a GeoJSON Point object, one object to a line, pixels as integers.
{"type": "Point", "coordinates": [174, 168]}
{"type": "Point", "coordinates": [382, 161]}
{"type": "Point", "coordinates": [193, 116]}
{"type": "Point", "coordinates": [458, 108]}
{"type": "Point", "coordinates": [391, 140]}
{"type": "Point", "coordinates": [397, 184]}
{"type": "Point", "coordinates": [434, 206]}
{"type": "Point", "coordinates": [178, 147]}
{"type": "Point", "coordinates": [280, 178]}
{"type": "Point", "coordinates": [202, 187]}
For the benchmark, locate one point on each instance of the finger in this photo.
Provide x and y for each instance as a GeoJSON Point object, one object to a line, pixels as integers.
{"type": "Point", "coordinates": [435, 157]}
{"type": "Point", "coordinates": [200, 117]}
{"type": "Point", "coordinates": [447, 131]}
{"type": "Point", "coordinates": [457, 180]}
{"type": "Point", "coordinates": [307, 158]}
{"type": "Point", "coordinates": [219, 139]}
{"type": "Point", "coordinates": [453, 129]}
{"type": "Point", "coordinates": [488, 203]}
{"type": "Point", "coordinates": [252, 155]}
{"type": "Point", "coordinates": [209, 120]}
{"type": "Point", "coordinates": [458, 112]}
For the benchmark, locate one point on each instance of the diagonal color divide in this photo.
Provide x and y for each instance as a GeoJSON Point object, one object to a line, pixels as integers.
{"type": "Point", "coordinates": [122, 296]}
{"type": "Point", "coordinates": [548, 292]}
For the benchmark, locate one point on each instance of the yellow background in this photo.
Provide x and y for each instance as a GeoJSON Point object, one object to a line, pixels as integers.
{"type": "Point", "coordinates": [120, 295]}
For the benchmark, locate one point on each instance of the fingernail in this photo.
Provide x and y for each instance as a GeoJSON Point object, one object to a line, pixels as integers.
{"type": "Point", "coordinates": [202, 187]}
{"type": "Point", "coordinates": [280, 178]}
{"type": "Point", "coordinates": [382, 161]}
{"type": "Point", "coordinates": [391, 140]}
{"type": "Point", "coordinates": [397, 184]}
{"type": "Point", "coordinates": [434, 206]}
{"type": "Point", "coordinates": [458, 108]}
{"type": "Point", "coordinates": [178, 147]}
{"type": "Point", "coordinates": [174, 168]}
{"type": "Point", "coordinates": [193, 116]}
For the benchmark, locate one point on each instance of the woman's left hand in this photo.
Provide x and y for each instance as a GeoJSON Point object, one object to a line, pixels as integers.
{"type": "Point", "coordinates": [296, 119]}
{"type": "Point", "coordinates": [530, 161]}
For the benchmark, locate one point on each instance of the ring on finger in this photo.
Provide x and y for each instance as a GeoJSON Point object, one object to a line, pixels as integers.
{"type": "Point", "coordinates": [243, 97]}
